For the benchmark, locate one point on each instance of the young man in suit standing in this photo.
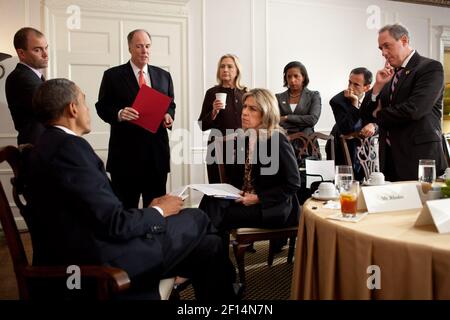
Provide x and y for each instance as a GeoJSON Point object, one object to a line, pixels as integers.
{"type": "Point", "coordinates": [75, 217]}
{"type": "Point", "coordinates": [135, 155]}
{"type": "Point", "coordinates": [406, 103]}
{"type": "Point", "coordinates": [32, 50]}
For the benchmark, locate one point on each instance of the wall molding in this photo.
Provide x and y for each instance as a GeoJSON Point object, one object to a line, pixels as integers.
{"type": "Point", "coordinates": [176, 9]}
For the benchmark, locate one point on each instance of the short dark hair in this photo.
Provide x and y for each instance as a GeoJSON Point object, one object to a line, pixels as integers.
{"type": "Point", "coordinates": [301, 67]}
{"type": "Point", "coordinates": [395, 30]}
{"type": "Point", "coordinates": [368, 78]}
{"type": "Point", "coordinates": [131, 34]}
{"type": "Point", "coordinates": [52, 97]}
{"type": "Point", "coordinates": [21, 37]}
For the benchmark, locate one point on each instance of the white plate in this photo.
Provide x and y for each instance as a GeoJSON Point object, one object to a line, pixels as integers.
{"type": "Point", "coordinates": [367, 183]}
{"type": "Point", "coordinates": [316, 196]}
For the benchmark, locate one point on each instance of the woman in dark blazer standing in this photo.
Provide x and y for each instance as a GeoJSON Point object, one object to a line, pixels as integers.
{"type": "Point", "coordinates": [217, 116]}
{"type": "Point", "coordinates": [269, 176]}
{"type": "Point", "coordinates": [299, 107]}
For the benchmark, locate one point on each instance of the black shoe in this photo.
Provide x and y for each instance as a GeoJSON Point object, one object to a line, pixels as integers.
{"type": "Point", "coordinates": [250, 249]}
{"type": "Point", "coordinates": [278, 244]}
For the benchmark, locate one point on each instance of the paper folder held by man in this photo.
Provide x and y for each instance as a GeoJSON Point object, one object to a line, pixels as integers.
{"type": "Point", "coordinates": [152, 105]}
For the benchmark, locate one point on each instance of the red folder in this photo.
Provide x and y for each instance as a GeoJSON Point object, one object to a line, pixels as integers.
{"type": "Point", "coordinates": [152, 105]}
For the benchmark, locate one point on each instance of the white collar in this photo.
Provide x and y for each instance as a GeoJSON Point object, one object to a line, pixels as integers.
{"type": "Point", "coordinates": [38, 73]}
{"type": "Point", "coordinates": [136, 69]}
{"type": "Point", "coordinates": [408, 58]}
{"type": "Point", "coordinates": [66, 130]}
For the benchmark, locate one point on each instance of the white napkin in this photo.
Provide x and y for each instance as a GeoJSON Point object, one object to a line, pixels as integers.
{"type": "Point", "coordinates": [338, 216]}
{"type": "Point", "coordinates": [332, 205]}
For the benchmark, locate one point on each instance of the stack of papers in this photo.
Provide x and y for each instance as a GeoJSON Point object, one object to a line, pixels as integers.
{"type": "Point", "coordinates": [218, 190]}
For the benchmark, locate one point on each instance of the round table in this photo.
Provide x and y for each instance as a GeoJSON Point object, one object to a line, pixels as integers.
{"type": "Point", "coordinates": [383, 256]}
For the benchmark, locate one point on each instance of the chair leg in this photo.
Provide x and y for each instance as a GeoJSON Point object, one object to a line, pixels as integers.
{"type": "Point", "coordinates": [271, 253]}
{"type": "Point", "coordinates": [239, 253]}
{"type": "Point", "coordinates": [291, 249]}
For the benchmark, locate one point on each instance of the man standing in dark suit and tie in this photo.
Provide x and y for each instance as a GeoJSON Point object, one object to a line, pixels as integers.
{"type": "Point", "coordinates": [406, 103]}
{"type": "Point", "coordinates": [32, 50]}
{"type": "Point", "coordinates": [75, 217]}
{"type": "Point", "coordinates": [135, 156]}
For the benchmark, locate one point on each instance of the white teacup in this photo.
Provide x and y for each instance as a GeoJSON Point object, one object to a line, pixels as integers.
{"type": "Point", "coordinates": [326, 189]}
{"type": "Point", "coordinates": [222, 96]}
{"type": "Point", "coordinates": [376, 178]}
{"type": "Point", "coordinates": [447, 174]}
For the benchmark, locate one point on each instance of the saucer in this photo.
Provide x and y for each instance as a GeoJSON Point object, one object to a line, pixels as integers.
{"type": "Point", "coordinates": [367, 183]}
{"type": "Point", "coordinates": [316, 196]}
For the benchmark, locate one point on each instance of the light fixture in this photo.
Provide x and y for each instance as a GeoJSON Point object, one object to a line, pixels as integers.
{"type": "Point", "coordinates": [3, 56]}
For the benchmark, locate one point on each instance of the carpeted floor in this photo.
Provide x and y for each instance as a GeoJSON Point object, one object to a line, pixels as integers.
{"type": "Point", "coordinates": [263, 282]}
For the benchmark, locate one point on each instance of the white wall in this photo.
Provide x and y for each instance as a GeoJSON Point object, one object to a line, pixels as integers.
{"type": "Point", "coordinates": [329, 36]}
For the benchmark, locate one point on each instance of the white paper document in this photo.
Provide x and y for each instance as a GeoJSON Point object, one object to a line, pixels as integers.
{"type": "Point", "coordinates": [218, 190]}
{"type": "Point", "coordinates": [391, 197]}
{"type": "Point", "coordinates": [180, 192]}
{"type": "Point", "coordinates": [436, 212]}
{"type": "Point", "coordinates": [323, 167]}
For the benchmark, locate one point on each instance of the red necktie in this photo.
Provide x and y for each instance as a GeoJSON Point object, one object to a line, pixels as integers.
{"type": "Point", "coordinates": [141, 78]}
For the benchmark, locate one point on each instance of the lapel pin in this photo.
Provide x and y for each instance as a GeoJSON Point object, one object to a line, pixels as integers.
{"type": "Point", "coordinates": [407, 72]}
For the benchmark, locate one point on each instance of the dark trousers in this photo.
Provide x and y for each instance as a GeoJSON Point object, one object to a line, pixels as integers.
{"type": "Point", "coordinates": [389, 168]}
{"type": "Point", "coordinates": [191, 249]}
{"type": "Point", "coordinates": [129, 189]}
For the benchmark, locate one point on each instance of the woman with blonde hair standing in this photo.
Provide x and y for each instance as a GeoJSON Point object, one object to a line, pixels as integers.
{"type": "Point", "coordinates": [219, 116]}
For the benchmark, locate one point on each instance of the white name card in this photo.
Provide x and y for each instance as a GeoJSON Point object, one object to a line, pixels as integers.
{"type": "Point", "coordinates": [391, 197]}
{"type": "Point", "coordinates": [435, 212]}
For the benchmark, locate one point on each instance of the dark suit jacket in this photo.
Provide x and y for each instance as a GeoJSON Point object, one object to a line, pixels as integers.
{"type": "Point", "coordinates": [75, 218]}
{"type": "Point", "coordinates": [276, 181]}
{"type": "Point", "coordinates": [413, 118]}
{"type": "Point", "coordinates": [20, 86]}
{"type": "Point", "coordinates": [132, 149]}
{"type": "Point", "coordinates": [348, 120]}
{"type": "Point", "coordinates": [305, 115]}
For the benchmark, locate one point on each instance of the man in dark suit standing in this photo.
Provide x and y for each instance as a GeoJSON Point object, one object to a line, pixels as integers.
{"type": "Point", "coordinates": [345, 106]}
{"type": "Point", "coordinates": [136, 156]}
{"type": "Point", "coordinates": [406, 103]}
{"type": "Point", "coordinates": [76, 218]}
{"type": "Point", "coordinates": [32, 50]}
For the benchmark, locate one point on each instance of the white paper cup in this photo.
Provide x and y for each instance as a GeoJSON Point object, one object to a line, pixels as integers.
{"type": "Point", "coordinates": [222, 96]}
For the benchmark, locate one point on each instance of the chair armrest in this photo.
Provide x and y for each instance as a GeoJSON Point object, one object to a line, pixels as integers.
{"type": "Point", "coordinates": [116, 277]}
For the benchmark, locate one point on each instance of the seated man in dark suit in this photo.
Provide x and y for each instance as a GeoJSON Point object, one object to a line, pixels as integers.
{"type": "Point", "coordinates": [76, 218]}
{"type": "Point", "coordinates": [345, 106]}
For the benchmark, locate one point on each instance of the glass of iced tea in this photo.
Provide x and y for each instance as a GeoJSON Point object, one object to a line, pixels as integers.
{"type": "Point", "coordinates": [349, 192]}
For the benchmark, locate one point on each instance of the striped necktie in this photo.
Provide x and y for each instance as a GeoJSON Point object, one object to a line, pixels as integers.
{"type": "Point", "coordinates": [397, 76]}
{"type": "Point", "coordinates": [398, 73]}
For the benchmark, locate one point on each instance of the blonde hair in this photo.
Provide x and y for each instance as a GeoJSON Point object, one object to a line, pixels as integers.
{"type": "Point", "coordinates": [268, 106]}
{"type": "Point", "coordinates": [237, 63]}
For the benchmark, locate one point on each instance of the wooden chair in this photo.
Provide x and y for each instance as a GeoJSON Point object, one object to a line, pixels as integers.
{"type": "Point", "coordinates": [244, 237]}
{"type": "Point", "coordinates": [108, 280]}
{"type": "Point", "coordinates": [307, 146]}
{"type": "Point", "coordinates": [366, 152]}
